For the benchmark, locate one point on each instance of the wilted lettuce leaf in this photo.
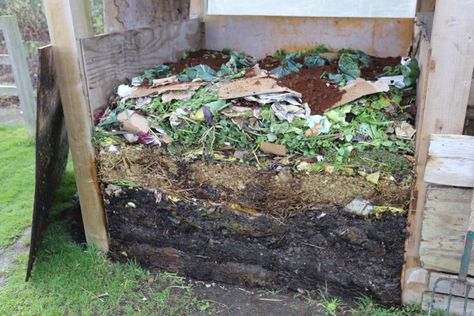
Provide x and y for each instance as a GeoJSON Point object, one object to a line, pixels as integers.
{"type": "Point", "coordinates": [156, 72]}
{"type": "Point", "coordinates": [203, 72]}
{"type": "Point", "coordinates": [357, 55]}
{"type": "Point", "coordinates": [349, 67]}
{"type": "Point", "coordinates": [239, 60]}
{"type": "Point", "coordinates": [288, 65]}
{"type": "Point", "coordinates": [314, 61]}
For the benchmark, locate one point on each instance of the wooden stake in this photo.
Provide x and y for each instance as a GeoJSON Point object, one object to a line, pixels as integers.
{"type": "Point", "coordinates": [68, 21]}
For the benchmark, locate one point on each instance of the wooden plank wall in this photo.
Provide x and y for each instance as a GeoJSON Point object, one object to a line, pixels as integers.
{"type": "Point", "coordinates": [451, 160]}
{"type": "Point", "coordinates": [445, 223]}
{"type": "Point", "coordinates": [121, 15]}
{"type": "Point", "coordinates": [443, 109]}
{"type": "Point", "coordinates": [109, 59]}
{"type": "Point", "coordinates": [263, 35]}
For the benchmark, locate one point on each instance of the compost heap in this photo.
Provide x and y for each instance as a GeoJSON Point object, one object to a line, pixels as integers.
{"type": "Point", "coordinates": [291, 171]}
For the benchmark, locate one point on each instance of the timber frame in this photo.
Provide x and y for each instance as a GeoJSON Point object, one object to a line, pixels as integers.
{"type": "Point", "coordinates": [445, 54]}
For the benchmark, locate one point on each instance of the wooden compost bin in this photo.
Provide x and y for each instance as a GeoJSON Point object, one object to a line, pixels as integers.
{"type": "Point", "coordinates": [233, 246]}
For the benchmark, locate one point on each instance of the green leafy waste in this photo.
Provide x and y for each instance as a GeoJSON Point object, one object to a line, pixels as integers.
{"type": "Point", "coordinates": [349, 64]}
{"type": "Point", "coordinates": [201, 123]}
{"type": "Point", "coordinates": [288, 66]}
{"type": "Point", "coordinates": [410, 72]}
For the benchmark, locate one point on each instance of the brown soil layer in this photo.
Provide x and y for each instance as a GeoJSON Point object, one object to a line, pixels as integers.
{"type": "Point", "coordinates": [211, 58]}
{"type": "Point", "coordinates": [279, 193]}
{"type": "Point", "coordinates": [320, 248]}
{"type": "Point", "coordinates": [320, 94]}
{"type": "Point", "coordinates": [269, 63]}
{"type": "Point", "coordinates": [378, 64]}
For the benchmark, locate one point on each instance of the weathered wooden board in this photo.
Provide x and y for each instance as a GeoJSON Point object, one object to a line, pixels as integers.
{"type": "Point", "coordinates": [451, 160]}
{"type": "Point", "coordinates": [411, 290]}
{"type": "Point", "coordinates": [263, 35]}
{"type": "Point", "coordinates": [17, 58]}
{"type": "Point", "coordinates": [67, 22]}
{"type": "Point", "coordinates": [111, 58]}
{"type": "Point", "coordinates": [441, 302]}
{"type": "Point", "coordinates": [446, 219]}
{"type": "Point", "coordinates": [51, 149]}
{"type": "Point", "coordinates": [121, 15]}
{"type": "Point", "coordinates": [445, 101]}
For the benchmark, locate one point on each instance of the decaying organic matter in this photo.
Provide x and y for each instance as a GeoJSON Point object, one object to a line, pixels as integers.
{"type": "Point", "coordinates": [322, 248]}
{"type": "Point", "coordinates": [246, 174]}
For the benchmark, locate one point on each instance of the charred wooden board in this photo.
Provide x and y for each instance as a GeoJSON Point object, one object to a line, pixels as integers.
{"type": "Point", "coordinates": [315, 249]}
{"type": "Point", "coordinates": [51, 149]}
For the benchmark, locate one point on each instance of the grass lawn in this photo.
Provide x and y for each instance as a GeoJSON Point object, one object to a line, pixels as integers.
{"type": "Point", "coordinates": [17, 167]}
{"type": "Point", "coordinates": [69, 279]}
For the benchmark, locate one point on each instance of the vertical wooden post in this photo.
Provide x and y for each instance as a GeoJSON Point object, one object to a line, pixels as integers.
{"type": "Point", "coordinates": [448, 83]}
{"type": "Point", "coordinates": [68, 21]}
{"type": "Point", "coordinates": [17, 58]}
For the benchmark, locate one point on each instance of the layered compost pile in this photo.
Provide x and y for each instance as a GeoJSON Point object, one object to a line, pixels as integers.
{"type": "Point", "coordinates": [293, 171]}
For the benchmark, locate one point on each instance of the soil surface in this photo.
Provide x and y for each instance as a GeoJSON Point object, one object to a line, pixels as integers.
{"type": "Point", "coordinates": [320, 94]}
{"type": "Point", "coordinates": [377, 66]}
{"type": "Point", "coordinates": [212, 58]}
{"type": "Point", "coordinates": [234, 300]}
{"type": "Point", "coordinates": [323, 248]}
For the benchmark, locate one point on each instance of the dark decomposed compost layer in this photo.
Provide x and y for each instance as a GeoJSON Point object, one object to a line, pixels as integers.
{"type": "Point", "coordinates": [323, 248]}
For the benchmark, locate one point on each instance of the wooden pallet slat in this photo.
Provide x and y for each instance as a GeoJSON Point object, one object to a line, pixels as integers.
{"type": "Point", "coordinates": [111, 58]}
{"type": "Point", "coordinates": [8, 90]}
{"type": "Point", "coordinates": [445, 223]}
{"type": "Point", "coordinates": [17, 58]}
{"type": "Point", "coordinates": [4, 59]}
{"type": "Point", "coordinates": [451, 160]}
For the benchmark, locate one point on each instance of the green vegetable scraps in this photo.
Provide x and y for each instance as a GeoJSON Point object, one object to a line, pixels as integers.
{"type": "Point", "coordinates": [360, 134]}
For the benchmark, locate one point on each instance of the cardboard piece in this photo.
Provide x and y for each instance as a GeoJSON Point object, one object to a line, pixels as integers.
{"type": "Point", "coordinates": [140, 92]}
{"type": "Point", "coordinates": [275, 149]}
{"type": "Point", "coordinates": [359, 88]}
{"type": "Point", "coordinates": [245, 87]}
